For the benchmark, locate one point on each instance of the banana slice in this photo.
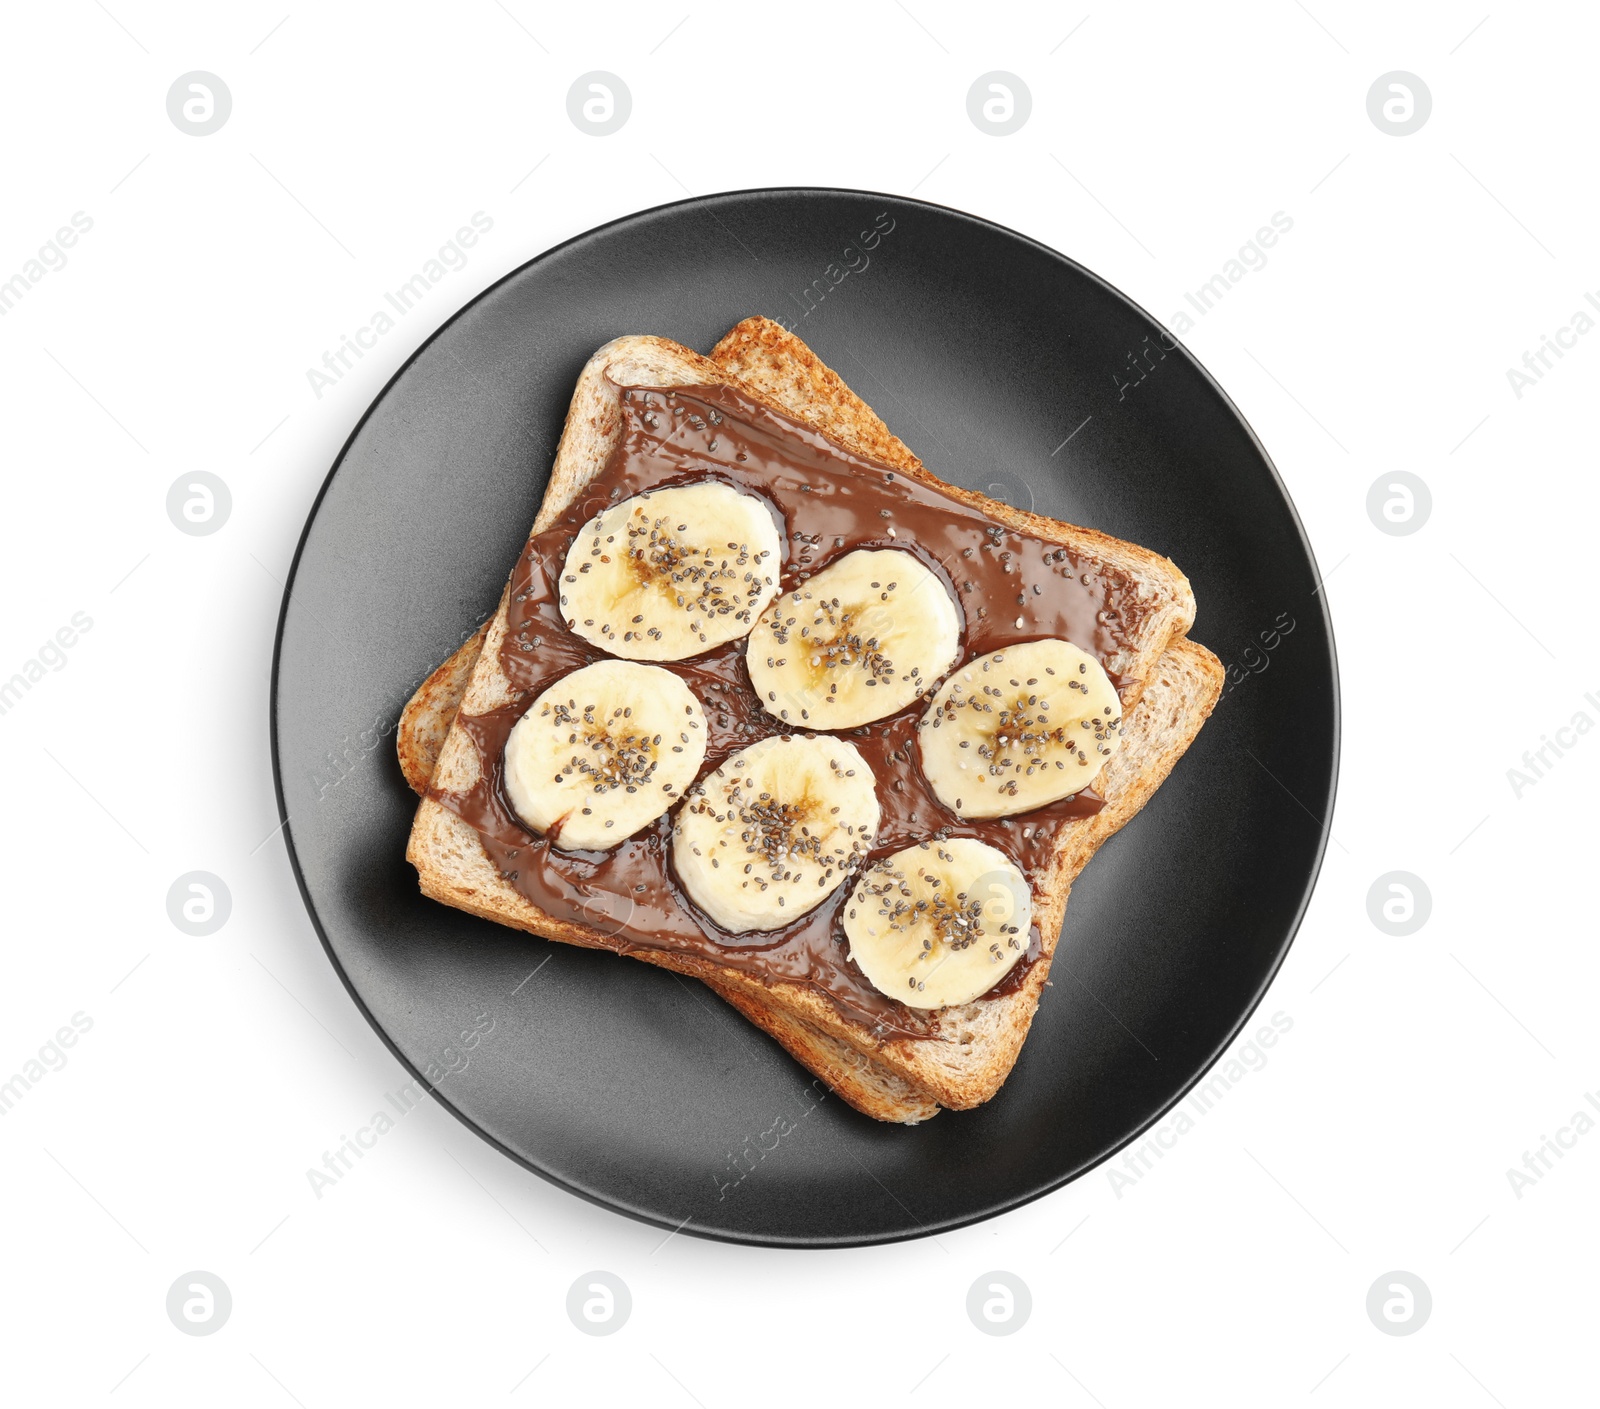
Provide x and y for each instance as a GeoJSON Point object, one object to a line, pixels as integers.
{"type": "Point", "coordinates": [670, 573]}
{"type": "Point", "coordinates": [858, 641]}
{"type": "Point", "coordinates": [1023, 727]}
{"type": "Point", "coordinates": [939, 924]}
{"type": "Point", "coordinates": [603, 752]}
{"type": "Point", "coordinates": [775, 831]}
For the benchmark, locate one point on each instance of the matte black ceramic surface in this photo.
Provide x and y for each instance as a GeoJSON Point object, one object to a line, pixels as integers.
{"type": "Point", "coordinates": [1006, 368]}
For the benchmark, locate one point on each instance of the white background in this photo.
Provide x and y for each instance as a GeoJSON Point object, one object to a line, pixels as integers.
{"type": "Point", "coordinates": [1377, 338]}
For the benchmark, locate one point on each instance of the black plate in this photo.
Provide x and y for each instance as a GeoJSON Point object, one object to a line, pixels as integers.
{"type": "Point", "coordinates": [985, 352]}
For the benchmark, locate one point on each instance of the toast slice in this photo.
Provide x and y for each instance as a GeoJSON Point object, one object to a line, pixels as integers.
{"type": "Point", "coordinates": [978, 1043]}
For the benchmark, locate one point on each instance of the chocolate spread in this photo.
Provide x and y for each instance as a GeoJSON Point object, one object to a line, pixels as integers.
{"type": "Point", "coordinates": [1011, 587]}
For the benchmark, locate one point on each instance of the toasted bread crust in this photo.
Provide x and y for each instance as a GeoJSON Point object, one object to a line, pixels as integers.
{"type": "Point", "coordinates": [767, 356]}
{"type": "Point", "coordinates": [979, 1042]}
{"type": "Point", "coordinates": [425, 721]}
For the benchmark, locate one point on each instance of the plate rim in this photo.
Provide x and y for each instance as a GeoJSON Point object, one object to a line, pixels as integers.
{"type": "Point", "coordinates": [617, 1204]}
